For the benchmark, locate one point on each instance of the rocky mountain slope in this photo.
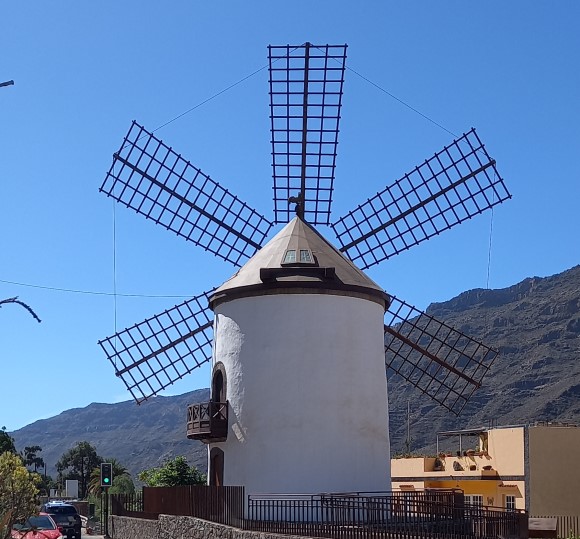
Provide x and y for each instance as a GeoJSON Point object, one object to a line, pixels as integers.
{"type": "Point", "coordinates": [535, 325]}
{"type": "Point", "coordinates": [140, 437]}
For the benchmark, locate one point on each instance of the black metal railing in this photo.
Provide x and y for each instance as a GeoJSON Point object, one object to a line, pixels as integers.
{"type": "Point", "coordinates": [433, 514]}
{"type": "Point", "coordinates": [406, 514]}
{"type": "Point", "coordinates": [207, 421]}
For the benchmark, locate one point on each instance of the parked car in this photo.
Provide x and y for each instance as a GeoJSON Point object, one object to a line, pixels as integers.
{"type": "Point", "coordinates": [66, 517]}
{"type": "Point", "coordinates": [41, 526]}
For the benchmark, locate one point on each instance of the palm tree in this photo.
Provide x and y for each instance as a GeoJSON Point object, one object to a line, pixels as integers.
{"type": "Point", "coordinates": [31, 458]}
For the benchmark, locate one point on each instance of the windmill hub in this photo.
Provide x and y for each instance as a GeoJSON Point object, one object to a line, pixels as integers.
{"type": "Point", "coordinates": [299, 201]}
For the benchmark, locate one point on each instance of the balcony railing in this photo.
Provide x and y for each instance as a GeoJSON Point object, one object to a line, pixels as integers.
{"type": "Point", "coordinates": [207, 421]}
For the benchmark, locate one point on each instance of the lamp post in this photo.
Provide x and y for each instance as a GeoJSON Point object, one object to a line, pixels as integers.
{"type": "Point", "coordinates": [7, 83]}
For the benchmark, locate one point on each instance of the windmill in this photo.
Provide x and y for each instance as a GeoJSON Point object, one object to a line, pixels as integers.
{"type": "Point", "coordinates": [297, 265]}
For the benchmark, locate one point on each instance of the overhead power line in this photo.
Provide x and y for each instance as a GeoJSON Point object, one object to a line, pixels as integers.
{"type": "Point", "coordinates": [95, 292]}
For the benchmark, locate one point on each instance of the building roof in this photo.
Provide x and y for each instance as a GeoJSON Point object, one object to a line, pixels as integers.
{"type": "Point", "coordinates": [299, 260]}
{"type": "Point", "coordinates": [465, 432]}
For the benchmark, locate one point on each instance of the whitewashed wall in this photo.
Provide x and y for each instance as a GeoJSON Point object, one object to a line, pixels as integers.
{"type": "Point", "coordinates": [307, 390]}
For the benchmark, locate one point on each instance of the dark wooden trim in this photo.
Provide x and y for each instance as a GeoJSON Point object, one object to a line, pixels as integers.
{"type": "Point", "coordinates": [268, 275]}
{"type": "Point", "coordinates": [216, 467]}
{"type": "Point", "coordinates": [330, 287]}
{"type": "Point", "coordinates": [208, 421]}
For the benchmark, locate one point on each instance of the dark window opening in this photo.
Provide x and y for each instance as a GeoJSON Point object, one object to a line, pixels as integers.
{"type": "Point", "coordinates": [216, 467]}
{"type": "Point", "coordinates": [218, 387]}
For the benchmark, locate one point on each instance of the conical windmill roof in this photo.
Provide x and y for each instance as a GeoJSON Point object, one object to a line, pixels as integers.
{"type": "Point", "coordinates": [321, 269]}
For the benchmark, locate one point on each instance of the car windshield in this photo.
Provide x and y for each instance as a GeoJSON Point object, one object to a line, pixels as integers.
{"type": "Point", "coordinates": [63, 518]}
{"type": "Point", "coordinates": [40, 522]}
{"type": "Point", "coordinates": [61, 510]}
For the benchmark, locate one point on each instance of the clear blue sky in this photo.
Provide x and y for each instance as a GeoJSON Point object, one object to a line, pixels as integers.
{"type": "Point", "coordinates": [84, 70]}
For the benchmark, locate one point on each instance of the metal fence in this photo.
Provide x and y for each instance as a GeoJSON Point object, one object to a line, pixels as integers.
{"type": "Point", "coordinates": [382, 515]}
{"type": "Point", "coordinates": [568, 525]}
{"type": "Point", "coordinates": [434, 514]}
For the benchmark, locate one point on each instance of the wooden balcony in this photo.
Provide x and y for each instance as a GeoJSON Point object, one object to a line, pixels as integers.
{"type": "Point", "coordinates": [207, 421]}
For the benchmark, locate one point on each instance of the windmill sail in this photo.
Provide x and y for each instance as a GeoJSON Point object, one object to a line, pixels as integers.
{"type": "Point", "coordinates": [153, 354]}
{"type": "Point", "coordinates": [442, 362]}
{"type": "Point", "coordinates": [306, 84]}
{"type": "Point", "coordinates": [149, 177]}
{"type": "Point", "coordinates": [457, 183]}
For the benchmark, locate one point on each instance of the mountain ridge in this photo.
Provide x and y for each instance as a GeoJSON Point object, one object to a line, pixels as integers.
{"type": "Point", "coordinates": [140, 437]}
{"type": "Point", "coordinates": [535, 324]}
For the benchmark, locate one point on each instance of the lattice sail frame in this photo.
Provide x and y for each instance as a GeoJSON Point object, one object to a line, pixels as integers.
{"type": "Point", "coordinates": [306, 85]}
{"type": "Point", "coordinates": [150, 178]}
{"type": "Point", "coordinates": [454, 185]}
{"type": "Point", "coordinates": [155, 353]}
{"type": "Point", "coordinates": [441, 361]}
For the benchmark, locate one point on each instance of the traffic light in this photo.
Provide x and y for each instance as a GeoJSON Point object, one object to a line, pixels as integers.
{"type": "Point", "coordinates": [106, 474]}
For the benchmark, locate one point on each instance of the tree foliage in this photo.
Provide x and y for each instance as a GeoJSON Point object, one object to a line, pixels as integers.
{"type": "Point", "coordinates": [173, 473]}
{"type": "Point", "coordinates": [45, 484]}
{"type": "Point", "coordinates": [122, 484]}
{"type": "Point", "coordinates": [18, 492]}
{"type": "Point", "coordinates": [78, 463]}
{"type": "Point", "coordinates": [6, 442]}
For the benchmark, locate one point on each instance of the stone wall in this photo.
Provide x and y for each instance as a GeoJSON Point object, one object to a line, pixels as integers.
{"type": "Point", "coordinates": [133, 528]}
{"type": "Point", "coordinates": [172, 527]}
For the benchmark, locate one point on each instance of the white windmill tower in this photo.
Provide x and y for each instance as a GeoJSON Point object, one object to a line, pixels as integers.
{"type": "Point", "coordinates": [300, 340]}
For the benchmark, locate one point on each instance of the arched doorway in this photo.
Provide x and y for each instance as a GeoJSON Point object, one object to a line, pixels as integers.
{"type": "Point", "coordinates": [216, 467]}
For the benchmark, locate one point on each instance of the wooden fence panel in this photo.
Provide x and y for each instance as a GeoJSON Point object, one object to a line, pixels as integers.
{"type": "Point", "coordinates": [224, 505]}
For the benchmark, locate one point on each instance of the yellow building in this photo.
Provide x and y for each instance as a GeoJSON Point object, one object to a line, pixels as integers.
{"type": "Point", "coordinates": [517, 467]}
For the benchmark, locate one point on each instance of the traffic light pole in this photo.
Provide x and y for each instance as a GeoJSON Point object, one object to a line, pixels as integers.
{"type": "Point", "coordinates": [106, 491]}
{"type": "Point", "coordinates": [106, 482]}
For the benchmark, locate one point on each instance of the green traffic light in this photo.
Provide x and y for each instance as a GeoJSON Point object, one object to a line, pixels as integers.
{"type": "Point", "coordinates": [106, 474]}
